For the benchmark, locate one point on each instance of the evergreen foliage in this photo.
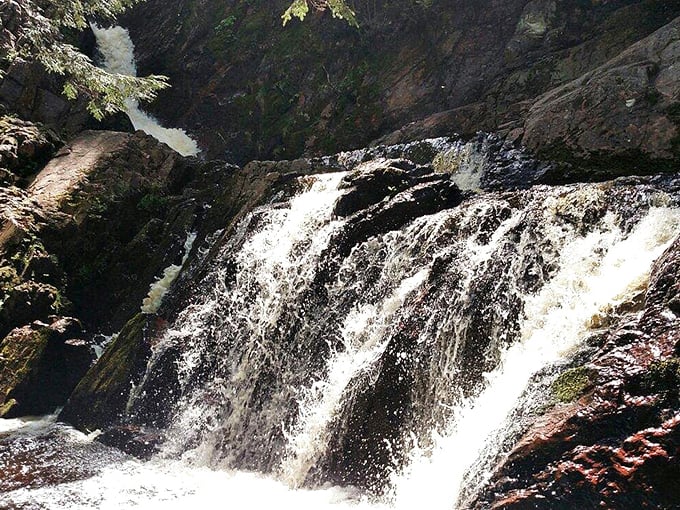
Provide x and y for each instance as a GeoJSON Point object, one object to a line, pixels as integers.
{"type": "Point", "coordinates": [36, 31]}
{"type": "Point", "coordinates": [300, 8]}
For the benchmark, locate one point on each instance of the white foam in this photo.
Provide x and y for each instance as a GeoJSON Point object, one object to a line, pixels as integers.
{"type": "Point", "coordinates": [118, 50]}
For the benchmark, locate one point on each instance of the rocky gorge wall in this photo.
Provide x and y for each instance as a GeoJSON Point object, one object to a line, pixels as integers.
{"type": "Point", "coordinates": [88, 220]}
{"type": "Point", "coordinates": [249, 88]}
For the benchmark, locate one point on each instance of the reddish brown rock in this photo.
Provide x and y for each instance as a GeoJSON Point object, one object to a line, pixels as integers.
{"type": "Point", "coordinates": [618, 446]}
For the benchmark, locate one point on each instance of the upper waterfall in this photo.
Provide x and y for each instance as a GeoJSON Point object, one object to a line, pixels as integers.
{"type": "Point", "coordinates": [117, 48]}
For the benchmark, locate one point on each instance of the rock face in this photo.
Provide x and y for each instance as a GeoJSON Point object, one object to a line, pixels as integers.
{"type": "Point", "coordinates": [617, 444]}
{"type": "Point", "coordinates": [29, 92]}
{"type": "Point", "coordinates": [24, 148]}
{"type": "Point", "coordinates": [247, 87]}
{"type": "Point", "coordinates": [624, 114]}
{"type": "Point", "coordinates": [86, 237]}
{"type": "Point", "coordinates": [40, 365]}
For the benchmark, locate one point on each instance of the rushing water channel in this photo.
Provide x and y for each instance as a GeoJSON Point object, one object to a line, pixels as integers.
{"type": "Point", "coordinates": [478, 307]}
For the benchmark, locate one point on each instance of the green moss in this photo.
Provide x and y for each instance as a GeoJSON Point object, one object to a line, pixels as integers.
{"type": "Point", "coordinates": [572, 384]}
{"type": "Point", "coordinates": [153, 203]}
{"type": "Point", "coordinates": [662, 376]}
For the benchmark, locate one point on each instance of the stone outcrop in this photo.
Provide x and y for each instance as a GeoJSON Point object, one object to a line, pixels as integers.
{"type": "Point", "coordinates": [248, 88]}
{"type": "Point", "coordinates": [616, 444]}
{"type": "Point", "coordinates": [622, 117]}
{"type": "Point", "coordinates": [40, 364]}
{"type": "Point", "coordinates": [24, 148]}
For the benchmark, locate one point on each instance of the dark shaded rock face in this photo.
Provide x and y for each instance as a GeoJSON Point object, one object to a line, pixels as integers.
{"type": "Point", "coordinates": [618, 444]}
{"type": "Point", "coordinates": [102, 395]}
{"type": "Point", "coordinates": [248, 87]}
{"type": "Point", "coordinates": [40, 365]}
{"type": "Point", "coordinates": [624, 114]}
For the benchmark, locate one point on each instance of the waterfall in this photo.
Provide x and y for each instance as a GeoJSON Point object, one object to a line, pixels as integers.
{"type": "Point", "coordinates": [315, 367]}
{"type": "Point", "coordinates": [291, 337]}
{"type": "Point", "coordinates": [117, 48]}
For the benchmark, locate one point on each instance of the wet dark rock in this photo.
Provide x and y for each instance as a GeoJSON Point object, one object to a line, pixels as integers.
{"type": "Point", "coordinates": [153, 407]}
{"type": "Point", "coordinates": [371, 182]}
{"type": "Point", "coordinates": [421, 199]}
{"type": "Point", "coordinates": [40, 365]}
{"type": "Point", "coordinates": [132, 440]}
{"type": "Point", "coordinates": [100, 398]}
{"type": "Point", "coordinates": [49, 455]}
{"type": "Point", "coordinates": [616, 446]}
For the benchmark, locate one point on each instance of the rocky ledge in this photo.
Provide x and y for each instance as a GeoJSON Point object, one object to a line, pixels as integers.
{"type": "Point", "coordinates": [83, 237]}
{"type": "Point", "coordinates": [613, 440]}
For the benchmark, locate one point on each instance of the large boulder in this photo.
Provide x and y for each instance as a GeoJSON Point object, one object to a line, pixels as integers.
{"type": "Point", "coordinates": [621, 118]}
{"type": "Point", "coordinates": [40, 365]}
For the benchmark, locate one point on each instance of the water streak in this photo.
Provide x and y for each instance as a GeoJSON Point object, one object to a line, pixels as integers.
{"type": "Point", "coordinates": [118, 50]}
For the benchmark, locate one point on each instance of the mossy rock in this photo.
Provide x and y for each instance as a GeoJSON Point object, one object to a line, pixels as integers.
{"type": "Point", "coordinates": [101, 397]}
{"type": "Point", "coordinates": [39, 367]}
{"type": "Point", "coordinates": [573, 384]}
{"type": "Point", "coordinates": [20, 352]}
{"type": "Point", "coordinates": [662, 376]}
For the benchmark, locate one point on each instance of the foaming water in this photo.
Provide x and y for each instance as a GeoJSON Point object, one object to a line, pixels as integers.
{"type": "Point", "coordinates": [597, 271]}
{"type": "Point", "coordinates": [113, 481]}
{"type": "Point", "coordinates": [157, 290]}
{"type": "Point", "coordinates": [118, 50]}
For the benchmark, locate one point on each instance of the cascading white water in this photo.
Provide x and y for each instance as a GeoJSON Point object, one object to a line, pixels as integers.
{"type": "Point", "coordinates": [267, 368]}
{"type": "Point", "coordinates": [597, 272]}
{"type": "Point", "coordinates": [363, 341]}
{"type": "Point", "coordinates": [273, 266]}
{"type": "Point", "coordinates": [117, 48]}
